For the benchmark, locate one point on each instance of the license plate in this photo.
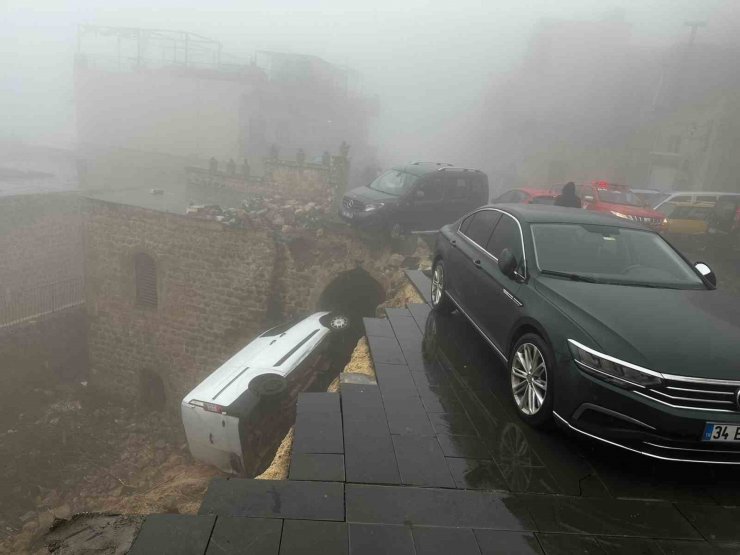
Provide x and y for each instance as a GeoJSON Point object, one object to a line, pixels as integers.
{"type": "Point", "coordinates": [721, 432]}
{"type": "Point", "coordinates": [347, 213]}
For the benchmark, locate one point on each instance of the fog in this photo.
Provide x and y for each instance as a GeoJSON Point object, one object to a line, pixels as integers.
{"type": "Point", "coordinates": [431, 63]}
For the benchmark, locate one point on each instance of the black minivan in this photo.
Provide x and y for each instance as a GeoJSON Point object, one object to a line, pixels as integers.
{"type": "Point", "coordinates": [421, 196]}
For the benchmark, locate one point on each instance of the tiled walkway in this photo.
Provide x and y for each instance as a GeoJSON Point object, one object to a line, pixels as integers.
{"type": "Point", "coordinates": [432, 461]}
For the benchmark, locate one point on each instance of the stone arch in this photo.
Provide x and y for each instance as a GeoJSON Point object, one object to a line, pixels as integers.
{"type": "Point", "coordinates": [352, 292]}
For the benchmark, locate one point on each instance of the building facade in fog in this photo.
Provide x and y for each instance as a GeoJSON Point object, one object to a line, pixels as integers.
{"type": "Point", "coordinates": [178, 94]}
{"type": "Point", "coordinates": [588, 103]}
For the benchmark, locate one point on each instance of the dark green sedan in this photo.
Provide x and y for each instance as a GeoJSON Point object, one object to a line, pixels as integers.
{"type": "Point", "coordinates": [605, 328]}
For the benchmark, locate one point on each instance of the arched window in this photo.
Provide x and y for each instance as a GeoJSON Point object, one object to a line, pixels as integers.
{"type": "Point", "coordinates": [145, 271]}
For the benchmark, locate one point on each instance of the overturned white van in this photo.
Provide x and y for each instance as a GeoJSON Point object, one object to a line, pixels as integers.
{"type": "Point", "coordinates": [241, 411]}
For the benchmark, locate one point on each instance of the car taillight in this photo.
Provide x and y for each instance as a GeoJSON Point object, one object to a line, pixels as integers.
{"type": "Point", "coordinates": [210, 407]}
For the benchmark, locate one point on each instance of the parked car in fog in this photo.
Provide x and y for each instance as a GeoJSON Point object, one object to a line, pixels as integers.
{"type": "Point", "coordinates": [687, 218]}
{"type": "Point", "coordinates": [421, 196]}
{"type": "Point", "coordinates": [603, 325]}
{"type": "Point", "coordinates": [650, 197]}
{"type": "Point", "coordinates": [527, 196]}
{"type": "Point", "coordinates": [693, 196]}
{"type": "Point", "coordinates": [240, 413]}
{"type": "Point", "coordinates": [619, 200]}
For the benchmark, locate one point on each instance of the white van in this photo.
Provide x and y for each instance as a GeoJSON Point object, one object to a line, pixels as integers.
{"type": "Point", "coordinates": [243, 410]}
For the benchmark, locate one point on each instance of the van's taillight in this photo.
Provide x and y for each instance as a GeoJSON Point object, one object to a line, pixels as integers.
{"type": "Point", "coordinates": [210, 407]}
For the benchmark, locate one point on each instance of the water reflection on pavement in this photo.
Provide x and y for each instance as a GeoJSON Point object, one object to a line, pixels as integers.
{"type": "Point", "coordinates": [463, 370]}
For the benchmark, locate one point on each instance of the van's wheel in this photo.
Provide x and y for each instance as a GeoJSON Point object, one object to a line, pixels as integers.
{"type": "Point", "coordinates": [397, 231]}
{"type": "Point", "coordinates": [440, 301]}
{"type": "Point", "coordinates": [531, 373]}
{"type": "Point", "coordinates": [338, 322]}
{"type": "Point", "coordinates": [268, 385]}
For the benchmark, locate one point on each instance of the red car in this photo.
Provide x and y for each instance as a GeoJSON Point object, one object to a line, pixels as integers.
{"type": "Point", "coordinates": [619, 201]}
{"type": "Point", "coordinates": [527, 196]}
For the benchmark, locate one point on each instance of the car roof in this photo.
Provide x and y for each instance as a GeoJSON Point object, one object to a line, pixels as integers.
{"type": "Point", "coordinates": [425, 168]}
{"type": "Point", "coordinates": [538, 192]}
{"type": "Point", "coordinates": [543, 213]}
{"type": "Point", "coordinates": [677, 193]}
{"type": "Point", "coordinates": [700, 204]}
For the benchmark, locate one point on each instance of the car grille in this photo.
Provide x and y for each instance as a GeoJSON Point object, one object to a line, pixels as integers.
{"type": "Point", "coordinates": [352, 204]}
{"type": "Point", "coordinates": [688, 393]}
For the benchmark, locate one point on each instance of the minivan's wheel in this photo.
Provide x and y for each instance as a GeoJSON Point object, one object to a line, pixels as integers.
{"type": "Point", "coordinates": [396, 231]}
{"type": "Point", "coordinates": [531, 373]}
{"type": "Point", "coordinates": [338, 322]}
{"type": "Point", "coordinates": [268, 385]}
{"type": "Point", "coordinates": [440, 300]}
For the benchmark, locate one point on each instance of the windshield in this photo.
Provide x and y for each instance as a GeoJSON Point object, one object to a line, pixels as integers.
{"type": "Point", "coordinates": [606, 254]}
{"type": "Point", "coordinates": [614, 196]}
{"type": "Point", "coordinates": [393, 182]}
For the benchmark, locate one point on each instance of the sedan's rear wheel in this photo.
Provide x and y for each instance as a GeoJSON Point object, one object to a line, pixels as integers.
{"type": "Point", "coordinates": [440, 300]}
{"type": "Point", "coordinates": [531, 375]}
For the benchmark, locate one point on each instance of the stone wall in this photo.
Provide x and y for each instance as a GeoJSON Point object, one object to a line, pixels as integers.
{"type": "Point", "coordinates": [40, 241]}
{"type": "Point", "coordinates": [213, 285]}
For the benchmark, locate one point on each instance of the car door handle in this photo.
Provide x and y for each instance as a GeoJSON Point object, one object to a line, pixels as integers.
{"type": "Point", "coordinates": [453, 242]}
{"type": "Point", "coordinates": [477, 264]}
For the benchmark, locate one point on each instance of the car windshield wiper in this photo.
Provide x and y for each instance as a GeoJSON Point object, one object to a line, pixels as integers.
{"type": "Point", "coordinates": [571, 276]}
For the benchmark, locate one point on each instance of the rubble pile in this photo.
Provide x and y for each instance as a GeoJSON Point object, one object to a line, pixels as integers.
{"type": "Point", "coordinates": [274, 212]}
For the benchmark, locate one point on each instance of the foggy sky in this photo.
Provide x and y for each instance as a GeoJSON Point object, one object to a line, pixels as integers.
{"type": "Point", "coordinates": [429, 61]}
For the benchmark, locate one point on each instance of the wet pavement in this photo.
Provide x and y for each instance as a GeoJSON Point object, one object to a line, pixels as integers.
{"type": "Point", "coordinates": [433, 459]}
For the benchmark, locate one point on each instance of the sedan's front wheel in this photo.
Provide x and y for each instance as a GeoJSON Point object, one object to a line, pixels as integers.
{"type": "Point", "coordinates": [531, 372]}
{"type": "Point", "coordinates": [440, 300]}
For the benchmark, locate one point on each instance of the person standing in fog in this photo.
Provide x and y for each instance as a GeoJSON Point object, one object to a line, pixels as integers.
{"type": "Point", "coordinates": [568, 197]}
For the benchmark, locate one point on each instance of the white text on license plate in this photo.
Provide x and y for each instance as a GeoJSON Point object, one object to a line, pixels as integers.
{"type": "Point", "coordinates": [721, 432]}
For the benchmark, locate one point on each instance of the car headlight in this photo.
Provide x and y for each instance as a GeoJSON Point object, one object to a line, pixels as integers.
{"type": "Point", "coordinates": [620, 215]}
{"type": "Point", "coordinates": [612, 370]}
{"type": "Point", "coordinates": [373, 206]}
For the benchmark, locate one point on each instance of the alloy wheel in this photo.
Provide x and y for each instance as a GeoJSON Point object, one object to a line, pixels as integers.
{"type": "Point", "coordinates": [339, 322]}
{"type": "Point", "coordinates": [529, 379]}
{"type": "Point", "coordinates": [438, 284]}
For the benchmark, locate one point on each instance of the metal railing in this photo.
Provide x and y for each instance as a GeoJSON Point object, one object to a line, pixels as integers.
{"type": "Point", "coordinates": [29, 304]}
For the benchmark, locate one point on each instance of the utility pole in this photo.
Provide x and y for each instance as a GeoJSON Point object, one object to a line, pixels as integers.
{"type": "Point", "coordinates": [694, 25]}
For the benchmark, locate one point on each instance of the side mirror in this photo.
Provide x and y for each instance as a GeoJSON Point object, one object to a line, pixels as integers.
{"type": "Point", "coordinates": [507, 263]}
{"type": "Point", "coordinates": [706, 272]}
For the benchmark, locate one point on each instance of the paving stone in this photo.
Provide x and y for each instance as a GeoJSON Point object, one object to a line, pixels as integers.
{"type": "Point", "coordinates": [357, 397]}
{"type": "Point", "coordinates": [614, 545]}
{"type": "Point", "coordinates": [355, 378]}
{"type": "Point", "coordinates": [499, 542]}
{"type": "Point", "coordinates": [318, 432]}
{"type": "Point", "coordinates": [476, 474]}
{"type": "Point", "coordinates": [685, 547]}
{"type": "Point", "coordinates": [420, 312]}
{"type": "Point", "coordinates": [715, 523]}
{"type": "Point", "coordinates": [435, 507]}
{"type": "Point", "coordinates": [376, 539]}
{"type": "Point", "coordinates": [234, 535]}
{"type": "Point", "coordinates": [438, 398]}
{"type": "Point", "coordinates": [274, 499]}
{"type": "Point", "coordinates": [569, 544]}
{"type": "Point", "coordinates": [308, 537]}
{"type": "Point", "coordinates": [422, 284]}
{"type": "Point", "coordinates": [320, 467]}
{"type": "Point", "coordinates": [385, 350]}
{"type": "Point", "coordinates": [317, 402]}
{"type": "Point", "coordinates": [407, 416]}
{"type": "Point", "coordinates": [173, 534]}
{"type": "Point", "coordinates": [394, 312]}
{"type": "Point", "coordinates": [406, 329]}
{"type": "Point", "coordinates": [554, 513]}
{"type": "Point", "coordinates": [443, 541]}
{"type": "Point", "coordinates": [452, 423]}
{"type": "Point", "coordinates": [467, 447]}
{"type": "Point", "coordinates": [378, 327]}
{"type": "Point", "coordinates": [395, 381]}
{"type": "Point", "coordinates": [369, 456]}
{"type": "Point", "coordinates": [421, 462]}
